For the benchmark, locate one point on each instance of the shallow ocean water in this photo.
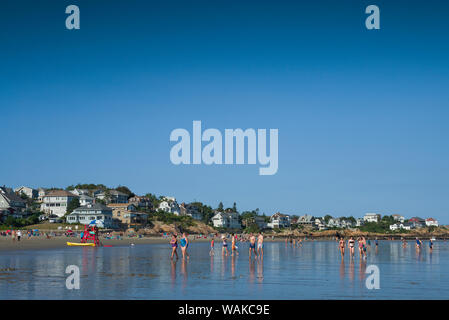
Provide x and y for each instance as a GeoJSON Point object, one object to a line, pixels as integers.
{"type": "Point", "coordinates": [313, 271]}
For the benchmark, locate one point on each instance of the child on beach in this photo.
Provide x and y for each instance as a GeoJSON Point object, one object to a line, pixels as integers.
{"type": "Point", "coordinates": [212, 252]}
{"type": "Point", "coordinates": [174, 246]}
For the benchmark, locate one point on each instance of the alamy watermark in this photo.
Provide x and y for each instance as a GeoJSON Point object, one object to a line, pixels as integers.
{"type": "Point", "coordinates": [212, 152]}
{"type": "Point", "coordinates": [73, 280]}
{"type": "Point", "coordinates": [373, 280]}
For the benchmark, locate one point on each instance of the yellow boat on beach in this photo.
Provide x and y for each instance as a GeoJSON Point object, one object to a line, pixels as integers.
{"type": "Point", "coordinates": [74, 244]}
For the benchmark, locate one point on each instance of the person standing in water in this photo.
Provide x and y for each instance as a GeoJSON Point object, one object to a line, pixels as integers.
{"type": "Point", "coordinates": [212, 243]}
{"type": "Point", "coordinates": [418, 243]}
{"type": "Point", "coordinates": [430, 244]}
{"type": "Point", "coordinates": [404, 243]}
{"type": "Point", "coordinates": [233, 245]}
{"type": "Point", "coordinates": [351, 244]}
{"type": "Point", "coordinates": [174, 246]}
{"type": "Point", "coordinates": [184, 245]}
{"type": "Point", "coordinates": [252, 245]}
{"type": "Point", "coordinates": [225, 246]}
{"type": "Point", "coordinates": [260, 245]}
{"type": "Point", "coordinates": [342, 247]}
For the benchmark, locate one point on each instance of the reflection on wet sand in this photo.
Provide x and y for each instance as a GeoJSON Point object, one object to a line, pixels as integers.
{"type": "Point", "coordinates": [260, 271]}
{"type": "Point", "coordinates": [351, 270]}
{"type": "Point", "coordinates": [252, 270]}
{"type": "Point", "coordinates": [362, 269]}
{"type": "Point", "coordinates": [146, 272]}
{"type": "Point", "coordinates": [342, 269]}
{"type": "Point", "coordinates": [173, 271]}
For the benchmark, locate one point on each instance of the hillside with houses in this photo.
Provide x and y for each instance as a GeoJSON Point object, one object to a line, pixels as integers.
{"type": "Point", "coordinates": [120, 209]}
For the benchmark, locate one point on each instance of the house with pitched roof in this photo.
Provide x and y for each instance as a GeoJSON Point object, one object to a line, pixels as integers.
{"type": "Point", "coordinates": [11, 204]}
{"type": "Point", "coordinates": [112, 196]}
{"type": "Point", "coordinates": [279, 220]}
{"type": "Point", "coordinates": [86, 214]}
{"type": "Point", "coordinates": [29, 192]}
{"type": "Point", "coordinates": [56, 202]}
{"type": "Point", "coordinates": [229, 220]}
{"type": "Point", "coordinates": [431, 222]}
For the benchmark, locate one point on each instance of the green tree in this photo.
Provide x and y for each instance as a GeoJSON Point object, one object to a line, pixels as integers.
{"type": "Point", "coordinates": [125, 190]}
{"type": "Point", "coordinates": [75, 203]}
{"type": "Point", "coordinates": [220, 207]}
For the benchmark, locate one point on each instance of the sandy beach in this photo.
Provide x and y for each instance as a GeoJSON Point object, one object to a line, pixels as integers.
{"type": "Point", "coordinates": [40, 243]}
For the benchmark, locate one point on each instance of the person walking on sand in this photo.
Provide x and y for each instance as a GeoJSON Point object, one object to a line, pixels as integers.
{"type": "Point", "coordinates": [360, 243]}
{"type": "Point", "coordinates": [184, 245]}
{"type": "Point", "coordinates": [174, 246]}
{"type": "Point", "coordinates": [252, 245]}
{"type": "Point", "coordinates": [233, 245]}
{"type": "Point", "coordinates": [260, 245]}
{"type": "Point", "coordinates": [351, 244]}
{"type": "Point", "coordinates": [225, 246]}
{"type": "Point", "coordinates": [19, 235]}
{"type": "Point", "coordinates": [342, 247]}
{"type": "Point", "coordinates": [364, 246]}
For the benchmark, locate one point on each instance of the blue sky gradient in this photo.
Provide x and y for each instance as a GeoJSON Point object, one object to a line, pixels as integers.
{"type": "Point", "coordinates": [362, 115]}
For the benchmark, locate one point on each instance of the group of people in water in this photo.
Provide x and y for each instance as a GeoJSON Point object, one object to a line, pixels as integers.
{"type": "Point", "coordinates": [253, 242]}
{"type": "Point", "coordinates": [364, 245]}
{"type": "Point", "coordinates": [255, 245]}
{"type": "Point", "coordinates": [184, 242]}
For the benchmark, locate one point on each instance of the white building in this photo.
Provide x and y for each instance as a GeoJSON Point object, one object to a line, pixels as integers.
{"type": "Point", "coordinates": [359, 222]}
{"type": "Point", "coordinates": [11, 204]}
{"type": "Point", "coordinates": [397, 226]}
{"type": "Point", "coordinates": [79, 192]}
{"type": "Point", "coordinates": [394, 227]}
{"type": "Point", "coordinates": [371, 217]}
{"type": "Point", "coordinates": [112, 196]}
{"type": "Point", "coordinates": [398, 217]}
{"type": "Point", "coordinates": [279, 220]}
{"type": "Point", "coordinates": [170, 205]}
{"type": "Point", "coordinates": [306, 220]}
{"type": "Point", "coordinates": [56, 202]}
{"type": "Point", "coordinates": [229, 220]}
{"type": "Point", "coordinates": [40, 194]}
{"type": "Point", "coordinates": [86, 214]}
{"type": "Point", "coordinates": [431, 222]}
{"type": "Point", "coordinates": [86, 200]}
{"type": "Point", "coordinates": [319, 223]}
{"type": "Point", "coordinates": [29, 192]}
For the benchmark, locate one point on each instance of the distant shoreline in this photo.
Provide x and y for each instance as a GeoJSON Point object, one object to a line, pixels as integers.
{"type": "Point", "coordinates": [42, 243]}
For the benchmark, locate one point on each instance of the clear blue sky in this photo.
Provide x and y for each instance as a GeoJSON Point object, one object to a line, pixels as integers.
{"type": "Point", "coordinates": [362, 115]}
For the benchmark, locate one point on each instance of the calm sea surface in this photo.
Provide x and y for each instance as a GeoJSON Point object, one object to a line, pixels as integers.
{"type": "Point", "coordinates": [313, 271]}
